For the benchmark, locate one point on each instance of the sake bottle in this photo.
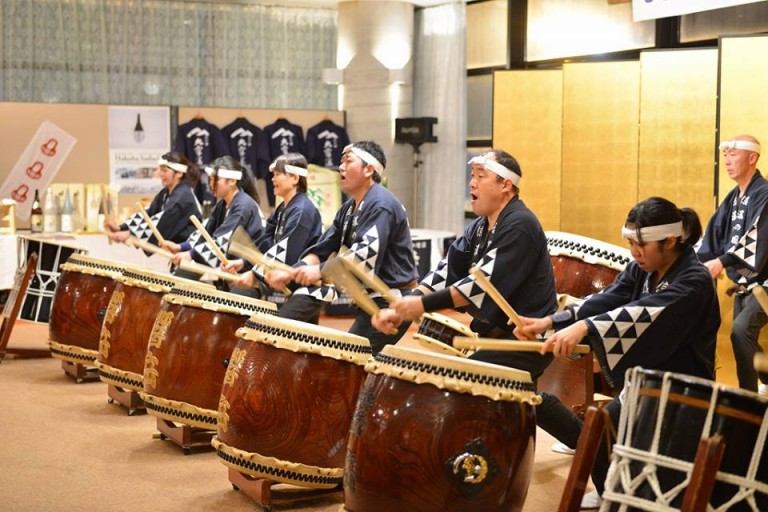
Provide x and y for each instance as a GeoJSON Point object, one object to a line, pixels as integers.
{"type": "Point", "coordinates": [36, 217]}
{"type": "Point", "coordinates": [66, 213]}
{"type": "Point", "coordinates": [50, 213]}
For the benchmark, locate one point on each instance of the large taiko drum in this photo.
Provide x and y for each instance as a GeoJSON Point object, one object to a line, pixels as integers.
{"type": "Point", "coordinates": [191, 342]}
{"type": "Point", "coordinates": [83, 292]}
{"type": "Point", "coordinates": [52, 252]}
{"type": "Point", "coordinates": [128, 322]}
{"type": "Point", "coordinates": [434, 433]}
{"type": "Point", "coordinates": [663, 418]}
{"type": "Point", "coordinates": [436, 333]}
{"type": "Point", "coordinates": [287, 401]}
{"type": "Point", "coordinates": [583, 265]}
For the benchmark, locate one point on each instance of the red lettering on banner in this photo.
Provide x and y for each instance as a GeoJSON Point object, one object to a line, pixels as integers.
{"type": "Point", "coordinates": [20, 194]}
{"type": "Point", "coordinates": [35, 170]}
{"type": "Point", "coordinates": [49, 148]}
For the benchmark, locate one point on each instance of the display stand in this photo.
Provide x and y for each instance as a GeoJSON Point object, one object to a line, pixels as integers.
{"type": "Point", "coordinates": [186, 436]}
{"type": "Point", "coordinates": [260, 490]}
{"type": "Point", "coordinates": [126, 398]}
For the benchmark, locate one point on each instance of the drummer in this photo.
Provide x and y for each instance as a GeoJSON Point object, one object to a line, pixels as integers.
{"type": "Point", "coordinates": [292, 227]}
{"type": "Point", "coordinates": [237, 205]}
{"type": "Point", "coordinates": [661, 313]}
{"type": "Point", "coordinates": [508, 244]}
{"type": "Point", "coordinates": [171, 207]}
{"type": "Point", "coordinates": [374, 225]}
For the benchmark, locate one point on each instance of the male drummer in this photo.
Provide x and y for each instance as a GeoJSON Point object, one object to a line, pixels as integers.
{"type": "Point", "coordinates": [374, 225]}
{"type": "Point", "coordinates": [508, 244]}
{"type": "Point", "coordinates": [736, 240]}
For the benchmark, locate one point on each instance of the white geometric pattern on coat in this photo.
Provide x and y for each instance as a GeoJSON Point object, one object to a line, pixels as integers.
{"type": "Point", "coordinates": [436, 279]}
{"type": "Point", "coordinates": [621, 327]}
{"type": "Point", "coordinates": [277, 252]}
{"type": "Point", "coordinates": [469, 288]}
{"type": "Point", "coordinates": [203, 249]}
{"type": "Point", "coordinates": [325, 293]}
{"type": "Point", "coordinates": [367, 250]}
{"type": "Point", "coordinates": [747, 246]}
{"type": "Point", "coordinates": [139, 227]}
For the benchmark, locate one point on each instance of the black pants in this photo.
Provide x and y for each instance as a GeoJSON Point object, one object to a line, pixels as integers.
{"type": "Point", "coordinates": [303, 308]}
{"type": "Point", "coordinates": [378, 340]}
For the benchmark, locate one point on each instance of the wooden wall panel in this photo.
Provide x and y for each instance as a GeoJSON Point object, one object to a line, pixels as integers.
{"type": "Point", "coordinates": [527, 122]}
{"type": "Point", "coordinates": [678, 105]}
{"type": "Point", "coordinates": [743, 109]}
{"type": "Point", "coordinates": [600, 147]}
{"type": "Point", "coordinates": [743, 98]}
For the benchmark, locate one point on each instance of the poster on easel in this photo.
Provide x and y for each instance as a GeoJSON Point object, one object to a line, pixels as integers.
{"type": "Point", "coordinates": [138, 137]}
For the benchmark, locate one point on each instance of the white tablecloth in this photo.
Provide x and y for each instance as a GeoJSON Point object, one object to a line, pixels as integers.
{"type": "Point", "coordinates": [96, 244]}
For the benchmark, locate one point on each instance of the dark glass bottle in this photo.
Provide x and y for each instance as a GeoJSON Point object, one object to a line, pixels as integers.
{"type": "Point", "coordinates": [36, 218]}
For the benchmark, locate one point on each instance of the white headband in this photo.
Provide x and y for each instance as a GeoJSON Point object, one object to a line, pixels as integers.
{"type": "Point", "coordinates": [654, 233]}
{"type": "Point", "coordinates": [172, 165]}
{"type": "Point", "coordinates": [740, 144]}
{"type": "Point", "coordinates": [366, 157]}
{"type": "Point", "coordinates": [293, 169]}
{"type": "Point", "coordinates": [224, 173]}
{"type": "Point", "coordinates": [496, 168]}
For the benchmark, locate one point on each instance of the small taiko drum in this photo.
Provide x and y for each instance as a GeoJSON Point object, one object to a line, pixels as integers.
{"type": "Point", "coordinates": [131, 313]}
{"type": "Point", "coordinates": [436, 333]}
{"type": "Point", "coordinates": [663, 418]}
{"type": "Point", "coordinates": [83, 292]}
{"type": "Point", "coordinates": [434, 433]}
{"type": "Point", "coordinates": [287, 401]}
{"type": "Point", "coordinates": [188, 351]}
{"type": "Point", "coordinates": [583, 265]}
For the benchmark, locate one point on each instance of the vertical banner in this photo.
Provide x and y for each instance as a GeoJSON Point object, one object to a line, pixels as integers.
{"type": "Point", "coordinates": [138, 136]}
{"type": "Point", "coordinates": [37, 166]}
{"type": "Point", "coordinates": [324, 189]}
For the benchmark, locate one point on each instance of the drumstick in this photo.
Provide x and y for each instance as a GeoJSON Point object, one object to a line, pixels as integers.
{"type": "Point", "coordinates": [198, 268]}
{"type": "Point", "coordinates": [254, 255]}
{"type": "Point", "coordinates": [372, 281]}
{"type": "Point", "coordinates": [215, 248]}
{"type": "Point", "coordinates": [761, 362]}
{"type": "Point", "coordinates": [463, 342]}
{"type": "Point", "coordinates": [151, 224]}
{"type": "Point", "coordinates": [761, 296]}
{"type": "Point", "coordinates": [336, 271]}
{"type": "Point", "coordinates": [141, 244]}
{"type": "Point", "coordinates": [497, 297]}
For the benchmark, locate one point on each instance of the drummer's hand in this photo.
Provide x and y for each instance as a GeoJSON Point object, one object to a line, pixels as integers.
{"type": "Point", "coordinates": [565, 340]}
{"type": "Point", "coordinates": [307, 275]}
{"type": "Point", "coordinates": [387, 320]}
{"type": "Point", "coordinates": [533, 326]}
{"type": "Point", "coordinates": [180, 257]}
{"type": "Point", "coordinates": [170, 246]}
{"type": "Point", "coordinates": [233, 266]}
{"type": "Point", "coordinates": [278, 279]}
{"type": "Point", "coordinates": [119, 236]}
{"type": "Point", "coordinates": [110, 225]}
{"type": "Point", "coordinates": [715, 267]}
{"type": "Point", "coordinates": [245, 280]}
{"type": "Point", "coordinates": [408, 308]}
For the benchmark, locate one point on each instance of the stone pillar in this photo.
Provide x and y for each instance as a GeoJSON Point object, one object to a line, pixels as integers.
{"type": "Point", "coordinates": [375, 38]}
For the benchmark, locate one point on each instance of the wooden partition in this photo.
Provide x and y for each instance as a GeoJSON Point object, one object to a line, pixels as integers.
{"type": "Point", "coordinates": [678, 106]}
{"type": "Point", "coordinates": [600, 144]}
{"type": "Point", "coordinates": [527, 122]}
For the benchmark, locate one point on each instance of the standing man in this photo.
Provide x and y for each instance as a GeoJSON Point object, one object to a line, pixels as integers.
{"type": "Point", "coordinates": [374, 225]}
{"type": "Point", "coordinates": [736, 239]}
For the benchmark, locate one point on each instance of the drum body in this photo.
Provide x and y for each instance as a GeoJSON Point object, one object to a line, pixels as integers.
{"type": "Point", "coordinates": [79, 305]}
{"type": "Point", "coordinates": [127, 325]}
{"type": "Point", "coordinates": [583, 265]}
{"type": "Point", "coordinates": [191, 341]}
{"type": "Point", "coordinates": [42, 286]}
{"type": "Point", "coordinates": [435, 433]}
{"type": "Point", "coordinates": [287, 401]}
{"type": "Point", "coordinates": [664, 417]}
